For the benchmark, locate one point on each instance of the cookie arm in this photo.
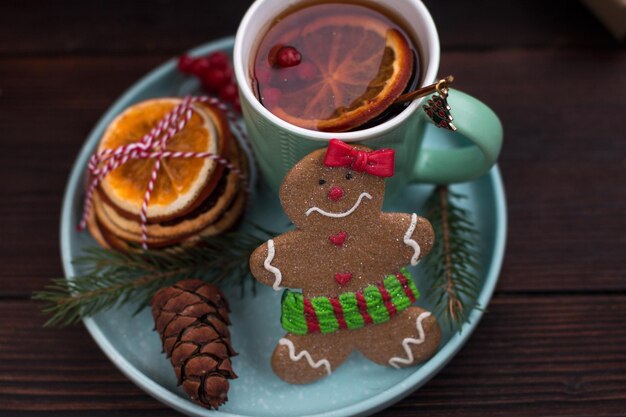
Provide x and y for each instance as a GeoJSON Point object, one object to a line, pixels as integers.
{"type": "Point", "coordinates": [412, 235]}
{"type": "Point", "coordinates": [418, 235]}
{"type": "Point", "coordinates": [267, 264]}
{"type": "Point", "coordinates": [261, 267]}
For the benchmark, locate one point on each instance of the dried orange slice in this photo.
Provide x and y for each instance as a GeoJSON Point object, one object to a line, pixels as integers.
{"type": "Point", "coordinates": [211, 209]}
{"type": "Point", "coordinates": [180, 181]}
{"type": "Point", "coordinates": [361, 66]}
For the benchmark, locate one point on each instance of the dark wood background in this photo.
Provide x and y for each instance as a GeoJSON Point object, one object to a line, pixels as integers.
{"type": "Point", "coordinates": [554, 339]}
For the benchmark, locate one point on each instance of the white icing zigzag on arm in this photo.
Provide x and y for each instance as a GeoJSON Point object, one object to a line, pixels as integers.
{"type": "Point", "coordinates": [408, 341]}
{"type": "Point", "coordinates": [412, 243]}
{"type": "Point", "coordinates": [278, 276]}
{"type": "Point", "coordinates": [338, 215]}
{"type": "Point", "coordinates": [304, 354]}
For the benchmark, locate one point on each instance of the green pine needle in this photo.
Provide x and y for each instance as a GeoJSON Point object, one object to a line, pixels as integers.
{"type": "Point", "coordinates": [454, 261]}
{"type": "Point", "coordinates": [111, 278]}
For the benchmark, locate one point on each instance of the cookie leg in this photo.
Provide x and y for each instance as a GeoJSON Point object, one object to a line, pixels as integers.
{"type": "Point", "coordinates": [410, 338]}
{"type": "Point", "coordinates": [301, 359]}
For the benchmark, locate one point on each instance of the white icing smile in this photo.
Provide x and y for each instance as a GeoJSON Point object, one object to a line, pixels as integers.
{"type": "Point", "coordinates": [342, 214]}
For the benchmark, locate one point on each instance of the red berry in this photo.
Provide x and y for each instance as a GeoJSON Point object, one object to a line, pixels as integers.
{"type": "Point", "coordinates": [185, 63]}
{"type": "Point", "coordinates": [288, 56]}
{"type": "Point", "coordinates": [270, 97]}
{"type": "Point", "coordinates": [214, 79]}
{"type": "Point", "coordinates": [219, 60]}
{"type": "Point", "coordinates": [285, 75]}
{"type": "Point", "coordinates": [200, 67]}
{"type": "Point", "coordinates": [228, 92]}
{"type": "Point", "coordinates": [237, 104]}
{"type": "Point", "coordinates": [263, 76]}
{"type": "Point", "coordinates": [228, 71]}
{"type": "Point", "coordinates": [307, 71]}
{"type": "Point", "coordinates": [272, 54]}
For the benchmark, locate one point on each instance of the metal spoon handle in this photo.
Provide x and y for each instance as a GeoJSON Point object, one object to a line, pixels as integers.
{"type": "Point", "coordinates": [440, 86]}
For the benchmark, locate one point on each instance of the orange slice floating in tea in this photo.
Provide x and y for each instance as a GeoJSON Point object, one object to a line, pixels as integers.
{"type": "Point", "coordinates": [181, 182]}
{"type": "Point", "coordinates": [353, 68]}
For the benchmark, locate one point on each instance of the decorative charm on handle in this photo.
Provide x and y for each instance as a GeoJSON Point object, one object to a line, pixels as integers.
{"type": "Point", "coordinates": [437, 108]}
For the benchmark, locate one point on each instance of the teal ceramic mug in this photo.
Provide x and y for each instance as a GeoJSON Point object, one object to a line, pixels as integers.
{"type": "Point", "coordinates": [278, 145]}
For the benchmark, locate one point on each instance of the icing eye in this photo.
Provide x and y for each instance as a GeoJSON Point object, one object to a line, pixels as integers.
{"type": "Point", "coordinates": [349, 176]}
{"type": "Point", "coordinates": [322, 182]}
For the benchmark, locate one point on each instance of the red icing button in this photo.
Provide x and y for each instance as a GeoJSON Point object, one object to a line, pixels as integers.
{"type": "Point", "coordinates": [343, 279]}
{"type": "Point", "coordinates": [338, 239]}
{"type": "Point", "coordinates": [335, 193]}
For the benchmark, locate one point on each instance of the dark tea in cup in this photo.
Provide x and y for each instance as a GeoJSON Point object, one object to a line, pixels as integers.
{"type": "Point", "coordinates": [335, 66]}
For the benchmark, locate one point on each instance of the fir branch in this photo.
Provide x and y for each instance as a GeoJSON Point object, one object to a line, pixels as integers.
{"type": "Point", "coordinates": [110, 278]}
{"type": "Point", "coordinates": [454, 261]}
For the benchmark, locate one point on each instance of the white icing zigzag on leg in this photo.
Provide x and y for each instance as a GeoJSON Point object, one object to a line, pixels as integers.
{"type": "Point", "coordinates": [408, 341]}
{"type": "Point", "coordinates": [304, 354]}
{"type": "Point", "coordinates": [412, 243]}
{"type": "Point", "coordinates": [278, 276]}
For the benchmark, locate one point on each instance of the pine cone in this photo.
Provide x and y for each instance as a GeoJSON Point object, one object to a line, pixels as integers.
{"type": "Point", "coordinates": [192, 319]}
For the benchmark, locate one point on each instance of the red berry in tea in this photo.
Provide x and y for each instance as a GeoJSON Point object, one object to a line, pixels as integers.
{"type": "Point", "coordinates": [307, 71]}
{"type": "Point", "coordinates": [286, 76]}
{"type": "Point", "coordinates": [337, 66]}
{"type": "Point", "coordinates": [288, 56]}
{"type": "Point", "coordinates": [270, 97]}
{"type": "Point", "coordinates": [263, 75]}
{"type": "Point", "coordinates": [272, 54]}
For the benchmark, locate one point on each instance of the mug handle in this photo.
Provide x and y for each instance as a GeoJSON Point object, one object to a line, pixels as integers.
{"type": "Point", "coordinates": [480, 125]}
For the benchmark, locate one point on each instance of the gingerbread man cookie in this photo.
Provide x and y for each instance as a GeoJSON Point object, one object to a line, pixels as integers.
{"type": "Point", "coordinates": [349, 259]}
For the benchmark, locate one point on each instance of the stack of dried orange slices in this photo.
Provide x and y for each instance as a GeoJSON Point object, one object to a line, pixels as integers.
{"type": "Point", "coordinates": [192, 197]}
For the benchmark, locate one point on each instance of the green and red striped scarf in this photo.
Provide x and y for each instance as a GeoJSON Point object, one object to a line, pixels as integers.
{"type": "Point", "coordinates": [373, 304]}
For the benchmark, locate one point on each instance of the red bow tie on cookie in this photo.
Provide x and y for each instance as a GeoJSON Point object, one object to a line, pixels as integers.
{"type": "Point", "coordinates": [378, 163]}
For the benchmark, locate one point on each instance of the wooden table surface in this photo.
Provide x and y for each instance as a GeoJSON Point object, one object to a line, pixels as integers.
{"type": "Point", "coordinates": [554, 339]}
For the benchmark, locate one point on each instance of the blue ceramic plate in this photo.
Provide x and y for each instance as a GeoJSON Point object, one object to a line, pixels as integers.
{"type": "Point", "coordinates": [135, 349]}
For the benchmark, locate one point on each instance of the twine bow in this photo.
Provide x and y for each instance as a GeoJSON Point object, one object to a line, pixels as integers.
{"type": "Point", "coordinates": [153, 146]}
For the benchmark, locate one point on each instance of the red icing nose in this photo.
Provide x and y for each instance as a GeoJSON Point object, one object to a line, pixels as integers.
{"type": "Point", "coordinates": [335, 193]}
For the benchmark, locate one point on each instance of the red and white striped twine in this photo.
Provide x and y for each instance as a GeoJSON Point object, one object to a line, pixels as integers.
{"type": "Point", "coordinates": [152, 146]}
